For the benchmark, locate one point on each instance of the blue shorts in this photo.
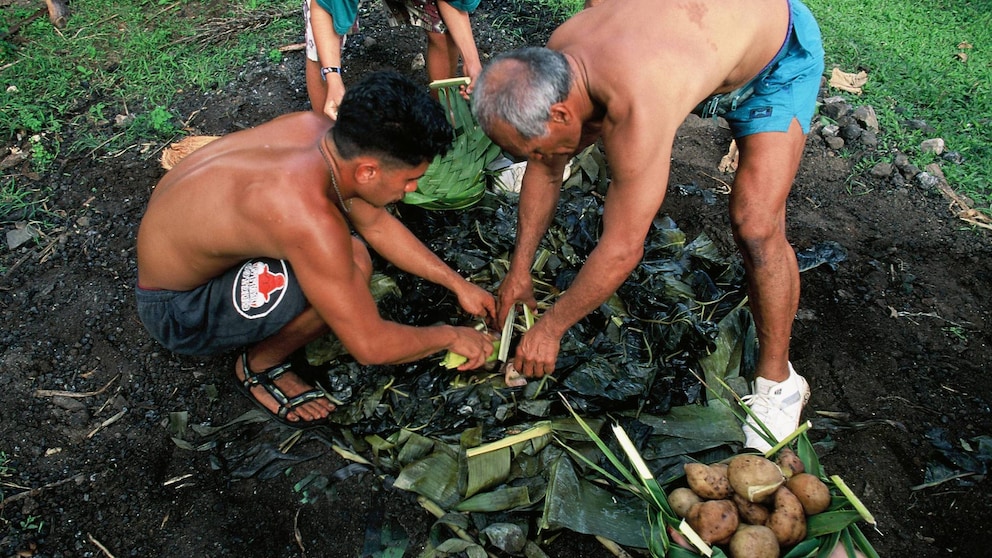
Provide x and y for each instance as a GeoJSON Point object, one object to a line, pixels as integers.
{"type": "Point", "coordinates": [243, 306]}
{"type": "Point", "coordinates": [787, 88]}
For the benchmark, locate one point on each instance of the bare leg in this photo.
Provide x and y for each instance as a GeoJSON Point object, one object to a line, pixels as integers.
{"type": "Point", "coordinates": [768, 165]}
{"type": "Point", "coordinates": [274, 350]}
{"type": "Point", "coordinates": [442, 56]}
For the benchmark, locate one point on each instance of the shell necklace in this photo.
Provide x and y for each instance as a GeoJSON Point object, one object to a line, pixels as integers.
{"type": "Point", "coordinates": [334, 180]}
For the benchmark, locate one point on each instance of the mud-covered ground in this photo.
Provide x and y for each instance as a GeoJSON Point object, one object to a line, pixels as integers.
{"type": "Point", "coordinates": [895, 342]}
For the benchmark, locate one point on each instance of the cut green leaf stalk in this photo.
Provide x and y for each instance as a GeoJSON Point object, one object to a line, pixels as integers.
{"type": "Point", "coordinates": [855, 501]}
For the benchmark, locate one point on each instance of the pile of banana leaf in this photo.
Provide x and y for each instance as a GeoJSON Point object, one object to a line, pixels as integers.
{"type": "Point", "coordinates": [497, 464]}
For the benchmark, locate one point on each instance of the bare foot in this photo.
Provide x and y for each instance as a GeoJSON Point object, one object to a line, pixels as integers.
{"type": "Point", "coordinates": [291, 385]}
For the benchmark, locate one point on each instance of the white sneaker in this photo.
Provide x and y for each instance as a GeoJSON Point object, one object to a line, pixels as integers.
{"type": "Point", "coordinates": [777, 405]}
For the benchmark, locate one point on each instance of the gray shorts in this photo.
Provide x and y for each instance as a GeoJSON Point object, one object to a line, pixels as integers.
{"type": "Point", "coordinates": [243, 306]}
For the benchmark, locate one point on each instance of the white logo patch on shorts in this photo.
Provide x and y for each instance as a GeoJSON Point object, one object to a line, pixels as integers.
{"type": "Point", "coordinates": [259, 289]}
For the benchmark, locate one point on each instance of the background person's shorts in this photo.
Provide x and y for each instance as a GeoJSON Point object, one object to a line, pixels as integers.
{"type": "Point", "coordinates": [423, 13]}
{"type": "Point", "coordinates": [241, 307]}
{"type": "Point", "coordinates": [790, 88]}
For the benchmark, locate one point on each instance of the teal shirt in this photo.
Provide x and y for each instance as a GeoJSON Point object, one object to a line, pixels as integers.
{"type": "Point", "coordinates": [465, 5]}
{"type": "Point", "coordinates": [343, 12]}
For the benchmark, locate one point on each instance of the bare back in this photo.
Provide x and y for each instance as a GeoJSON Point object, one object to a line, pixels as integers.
{"type": "Point", "coordinates": [671, 54]}
{"type": "Point", "coordinates": [252, 193]}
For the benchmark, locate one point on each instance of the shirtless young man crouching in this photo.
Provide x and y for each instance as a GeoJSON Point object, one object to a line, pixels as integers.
{"type": "Point", "coordinates": [629, 72]}
{"type": "Point", "coordinates": [246, 242]}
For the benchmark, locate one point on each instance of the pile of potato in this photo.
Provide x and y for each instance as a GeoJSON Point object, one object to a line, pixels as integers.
{"type": "Point", "coordinates": [749, 504]}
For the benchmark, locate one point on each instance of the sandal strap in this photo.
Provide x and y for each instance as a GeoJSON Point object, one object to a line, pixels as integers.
{"type": "Point", "coordinates": [287, 405]}
{"type": "Point", "coordinates": [261, 377]}
{"type": "Point", "coordinates": [266, 378]}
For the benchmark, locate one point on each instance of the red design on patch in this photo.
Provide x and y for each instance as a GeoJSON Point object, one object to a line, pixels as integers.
{"type": "Point", "coordinates": [258, 284]}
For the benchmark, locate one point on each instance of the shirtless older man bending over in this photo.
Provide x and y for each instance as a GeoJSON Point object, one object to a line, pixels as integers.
{"type": "Point", "coordinates": [247, 241]}
{"type": "Point", "coordinates": [629, 72]}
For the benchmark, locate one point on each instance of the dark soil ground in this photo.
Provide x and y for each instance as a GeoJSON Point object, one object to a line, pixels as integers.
{"type": "Point", "coordinates": [895, 341]}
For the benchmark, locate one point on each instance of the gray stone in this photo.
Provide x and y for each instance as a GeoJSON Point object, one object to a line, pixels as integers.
{"type": "Point", "coordinates": [21, 235]}
{"type": "Point", "coordinates": [926, 180]}
{"type": "Point", "coordinates": [901, 160]}
{"type": "Point", "coordinates": [917, 124]}
{"type": "Point", "coordinates": [953, 157]}
{"type": "Point", "coordinates": [910, 171]}
{"type": "Point", "coordinates": [866, 116]}
{"type": "Point", "coordinates": [830, 130]}
{"type": "Point", "coordinates": [834, 142]}
{"type": "Point", "coordinates": [835, 107]}
{"type": "Point", "coordinates": [933, 145]}
{"type": "Point", "coordinates": [847, 121]}
{"type": "Point", "coordinates": [882, 170]}
{"type": "Point", "coordinates": [850, 132]}
{"type": "Point", "coordinates": [869, 139]}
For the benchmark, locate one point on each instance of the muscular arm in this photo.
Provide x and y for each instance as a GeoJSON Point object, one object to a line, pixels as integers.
{"type": "Point", "coordinates": [393, 241]}
{"type": "Point", "coordinates": [539, 192]}
{"type": "Point", "coordinates": [320, 251]}
{"type": "Point", "coordinates": [639, 154]}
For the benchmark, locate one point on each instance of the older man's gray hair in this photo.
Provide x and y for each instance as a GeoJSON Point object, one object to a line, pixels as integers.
{"type": "Point", "coordinates": [519, 87]}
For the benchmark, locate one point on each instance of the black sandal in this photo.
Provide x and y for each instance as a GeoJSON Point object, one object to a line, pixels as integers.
{"type": "Point", "coordinates": [266, 379]}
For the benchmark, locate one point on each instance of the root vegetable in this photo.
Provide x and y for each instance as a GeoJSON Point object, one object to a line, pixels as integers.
{"type": "Point", "coordinates": [812, 493]}
{"type": "Point", "coordinates": [754, 541]}
{"type": "Point", "coordinates": [714, 520]}
{"type": "Point", "coordinates": [788, 520]}
{"type": "Point", "coordinates": [754, 477]}
{"type": "Point", "coordinates": [681, 499]}
{"type": "Point", "coordinates": [708, 481]}
{"type": "Point", "coordinates": [751, 512]}
{"type": "Point", "coordinates": [789, 462]}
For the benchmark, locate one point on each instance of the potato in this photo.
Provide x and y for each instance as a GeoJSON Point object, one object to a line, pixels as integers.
{"type": "Point", "coordinates": [754, 477]}
{"type": "Point", "coordinates": [681, 499]}
{"type": "Point", "coordinates": [813, 493]}
{"type": "Point", "coordinates": [789, 462]}
{"type": "Point", "coordinates": [754, 541]}
{"type": "Point", "coordinates": [708, 481]}
{"type": "Point", "coordinates": [788, 520]}
{"type": "Point", "coordinates": [751, 513]}
{"type": "Point", "coordinates": [714, 520]}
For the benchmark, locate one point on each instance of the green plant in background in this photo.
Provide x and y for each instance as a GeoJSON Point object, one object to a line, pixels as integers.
{"type": "Point", "coordinates": [925, 61]}
{"type": "Point", "coordinates": [142, 56]}
{"type": "Point", "coordinates": [41, 157]}
{"type": "Point", "coordinates": [158, 121]}
{"type": "Point", "coordinates": [138, 54]}
{"type": "Point", "coordinates": [21, 204]}
{"type": "Point", "coordinates": [32, 523]}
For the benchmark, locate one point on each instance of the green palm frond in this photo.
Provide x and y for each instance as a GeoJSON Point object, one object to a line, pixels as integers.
{"type": "Point", "coordinates": [456, 180]}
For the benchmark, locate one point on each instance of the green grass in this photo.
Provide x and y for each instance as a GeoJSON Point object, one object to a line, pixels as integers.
{"type": "Point", "coordinates": [139, 52]}
{"type": "Point", "coordinates": [909, 50]}
{"type": "Point", "coordinates": [113, 74]}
